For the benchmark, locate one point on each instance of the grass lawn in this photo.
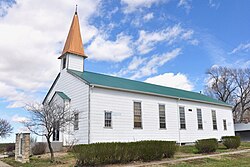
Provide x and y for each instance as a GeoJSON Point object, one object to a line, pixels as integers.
{"type": "Point", "coordinates": [68, 160]}
{"type": "Point", "coordinates": [62, 160]}
{"type": "Point", "coordinates": [245, 145]}
{"type": "Point", "coordinates": [240, 160]}
{"type": "Point", "coordinates": [190, 149]}
{"type": "Point", "coordinates": [236, 160]}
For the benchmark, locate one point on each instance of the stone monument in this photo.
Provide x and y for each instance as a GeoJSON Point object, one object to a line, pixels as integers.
{"type": "Point", "coordinates": [22, 147]}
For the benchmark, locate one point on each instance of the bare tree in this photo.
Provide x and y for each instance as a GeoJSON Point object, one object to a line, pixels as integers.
{"type": "Point", "coordinates": [221, 84]}
{"type": "Point", "coordinates": [231, 86]}
{"type": "Point", "coordinates": [5, 128]}
{"type": "Point", "coordinates": [45, 119]}
{"type": "Point", "coordinates": [242, 100]}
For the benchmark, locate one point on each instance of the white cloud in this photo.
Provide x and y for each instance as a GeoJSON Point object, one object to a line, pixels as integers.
{"type": "Point", "coordinates": [241, 48]}
{"type": "Point", "coordinates": [187, 35]}
{"type": "Point", "coordinates": [135, 63]}
{"type": "Point", "coordinates": [16, 97]}
{"type": "Point", "coordinates": [133, 5]}
{"type": "Point", "coordinates": [154, 63]}
{"type": "Point", "coordinates": [219, 56]}
{"type": "Point", "coordinates": [194, 42]}
{"type": "Point", "coordinates": [32, 36]}
{"type": "Point", "coordinates": [112, 12]}
{"type": "Point", "coordinates": [19, 119]}
{"type": "Point", "coordinates": [179, 81]}
{"type": "Point", "coordinates": [148, 16]}
{"type": "Point", "coordinates": [214, 4]}
{"type": "Point", "coordinates": [106, 50]}
{"type": "Point", "coordinates": [148, 40]}
{"type": "Point", "coordinates": [186, 4]}
{"type": "Point", "coordinates": [23, 130]}
{"type": "Point", "coordinates": [214, 49]}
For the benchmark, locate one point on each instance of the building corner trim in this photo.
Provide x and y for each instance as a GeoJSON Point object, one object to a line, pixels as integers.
{"type": "Point", "coordinates": [89, 115]}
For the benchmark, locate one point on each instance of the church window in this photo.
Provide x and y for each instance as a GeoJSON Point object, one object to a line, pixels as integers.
{"type": "Point", "coordinates": [64, 63]}
{"type": "Point", "coordinates": [137, 115]}
{"type": "Point", "coordinates": [76, 122]}
{"type": "Point", "coordinates": [107, 119]}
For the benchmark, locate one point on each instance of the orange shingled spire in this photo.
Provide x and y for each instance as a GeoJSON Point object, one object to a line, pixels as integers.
{"type": "Point", "coordinates": [73, 43]}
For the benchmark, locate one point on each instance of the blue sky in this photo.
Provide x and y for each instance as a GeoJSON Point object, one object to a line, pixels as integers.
{"type": "Point", "coordinates": [166, 42]}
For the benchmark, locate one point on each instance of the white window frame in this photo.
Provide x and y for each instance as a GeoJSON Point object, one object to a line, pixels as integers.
{"type": "Point", "coordinates": [162, 116]}
{"type": "Point", "coordinates": [134, 114]}
{"type": "Point", "coordinates": [214, 120]}
{"type": "Point", "coordinates": [105, 119]}
{"type": "Point", "coordinates": [182, 118]}
{"type": "Point", "coordinates": [199, 119]}
{"type": "Point", "coordinates": [76, 121]}
{"type": "Point", "coordinates": [224, 124]}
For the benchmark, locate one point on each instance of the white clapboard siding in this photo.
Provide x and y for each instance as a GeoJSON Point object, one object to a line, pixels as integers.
{"type": "Point", "coordinates": [75, 62]}
{"type": "Point", "coordinates": [77, 91]}
{"type": "Point", "coordinates": [192, 133]}
{"type": "Point", "coordinates": [58, 100]}
{"type": "Point", "coordinates": [121, 105]}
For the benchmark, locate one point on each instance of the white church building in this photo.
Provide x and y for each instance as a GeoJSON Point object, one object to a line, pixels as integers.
{"type": "Point", "coordinates": [113, 109]}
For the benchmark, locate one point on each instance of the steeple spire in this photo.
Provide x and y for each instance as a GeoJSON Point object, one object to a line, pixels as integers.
{"type": "Point", "coordinates": [76, 10]}
{"type": "Point", "coordinates": [74, 43]}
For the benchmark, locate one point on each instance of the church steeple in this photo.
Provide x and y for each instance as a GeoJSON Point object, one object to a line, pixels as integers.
{"type": "Point", "coordinates": [73, 55]}
{"type": "Point", "coordinates": [74, 43]}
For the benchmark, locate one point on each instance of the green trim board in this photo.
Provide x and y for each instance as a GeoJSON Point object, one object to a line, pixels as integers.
{"type": "Point", "coordinates": [107, 81]}
{"type": "Point", "coordinates": [62, 95]}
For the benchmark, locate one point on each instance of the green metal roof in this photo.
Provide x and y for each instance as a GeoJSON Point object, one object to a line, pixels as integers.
{"type": "Point", "coordinates": [62, 95]}
{"type": "Point", "coordinates": [137, 86]}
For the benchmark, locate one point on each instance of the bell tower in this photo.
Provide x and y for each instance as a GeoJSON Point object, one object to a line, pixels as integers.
{"type": "Point", "coordinates": [73, 55]}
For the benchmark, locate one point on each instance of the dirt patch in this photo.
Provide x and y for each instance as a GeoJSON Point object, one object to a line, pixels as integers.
{"type": "Point", "coordinates": [47, 155]}
{"type": "Point", "coordinates": [235, 156]}
{"type": "Point", "coordinates": [179, 155]}
{"type": "Point", "coordinates": [62, 159]}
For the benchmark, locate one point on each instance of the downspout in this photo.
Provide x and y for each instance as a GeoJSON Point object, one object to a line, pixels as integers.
{"type": "Point", "coordinates": [178, 120]}
{"type": "Point", "coordinates": [90, 86]}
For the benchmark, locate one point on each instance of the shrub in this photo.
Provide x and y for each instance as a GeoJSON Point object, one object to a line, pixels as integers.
{"type": "Point", "coordinates": [10, 147]}
{"type": "Point", "coordinates": [169, 149]}
{"type": "Point", "coordinates": [3, 147]}
{"type": "Point", "coordinates": [206, 145]}
{"type": "Point", "coordinates": [111, 153]}
{"type": "Point", "coordinates": [39, 148]}
{"type": "Point", "coordinates": [150, 150]}
{"type": "Point", "coordinates": [231, 142]}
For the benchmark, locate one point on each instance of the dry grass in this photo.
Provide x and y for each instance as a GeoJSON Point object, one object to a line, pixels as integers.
{"type": "Point", "coordinates": [65, 159]}
{"type": "Point", "coordinates": [62, 159]}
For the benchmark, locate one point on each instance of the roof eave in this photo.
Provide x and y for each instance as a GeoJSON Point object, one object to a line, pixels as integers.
{"type": "Point", "coordinates": [75, 53]}
{"type": "Point", "coordinates": [80, 78]}
{"type": "Point", "coordinates": [52, 86]}
{"type": "Point", "coordinates": [65, 97]}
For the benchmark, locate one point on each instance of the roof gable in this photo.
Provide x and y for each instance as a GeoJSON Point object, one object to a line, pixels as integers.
{"type": "Point", "coordinates": [62, 95]}
{"type": "Point", "coordinates": [138, 86]}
